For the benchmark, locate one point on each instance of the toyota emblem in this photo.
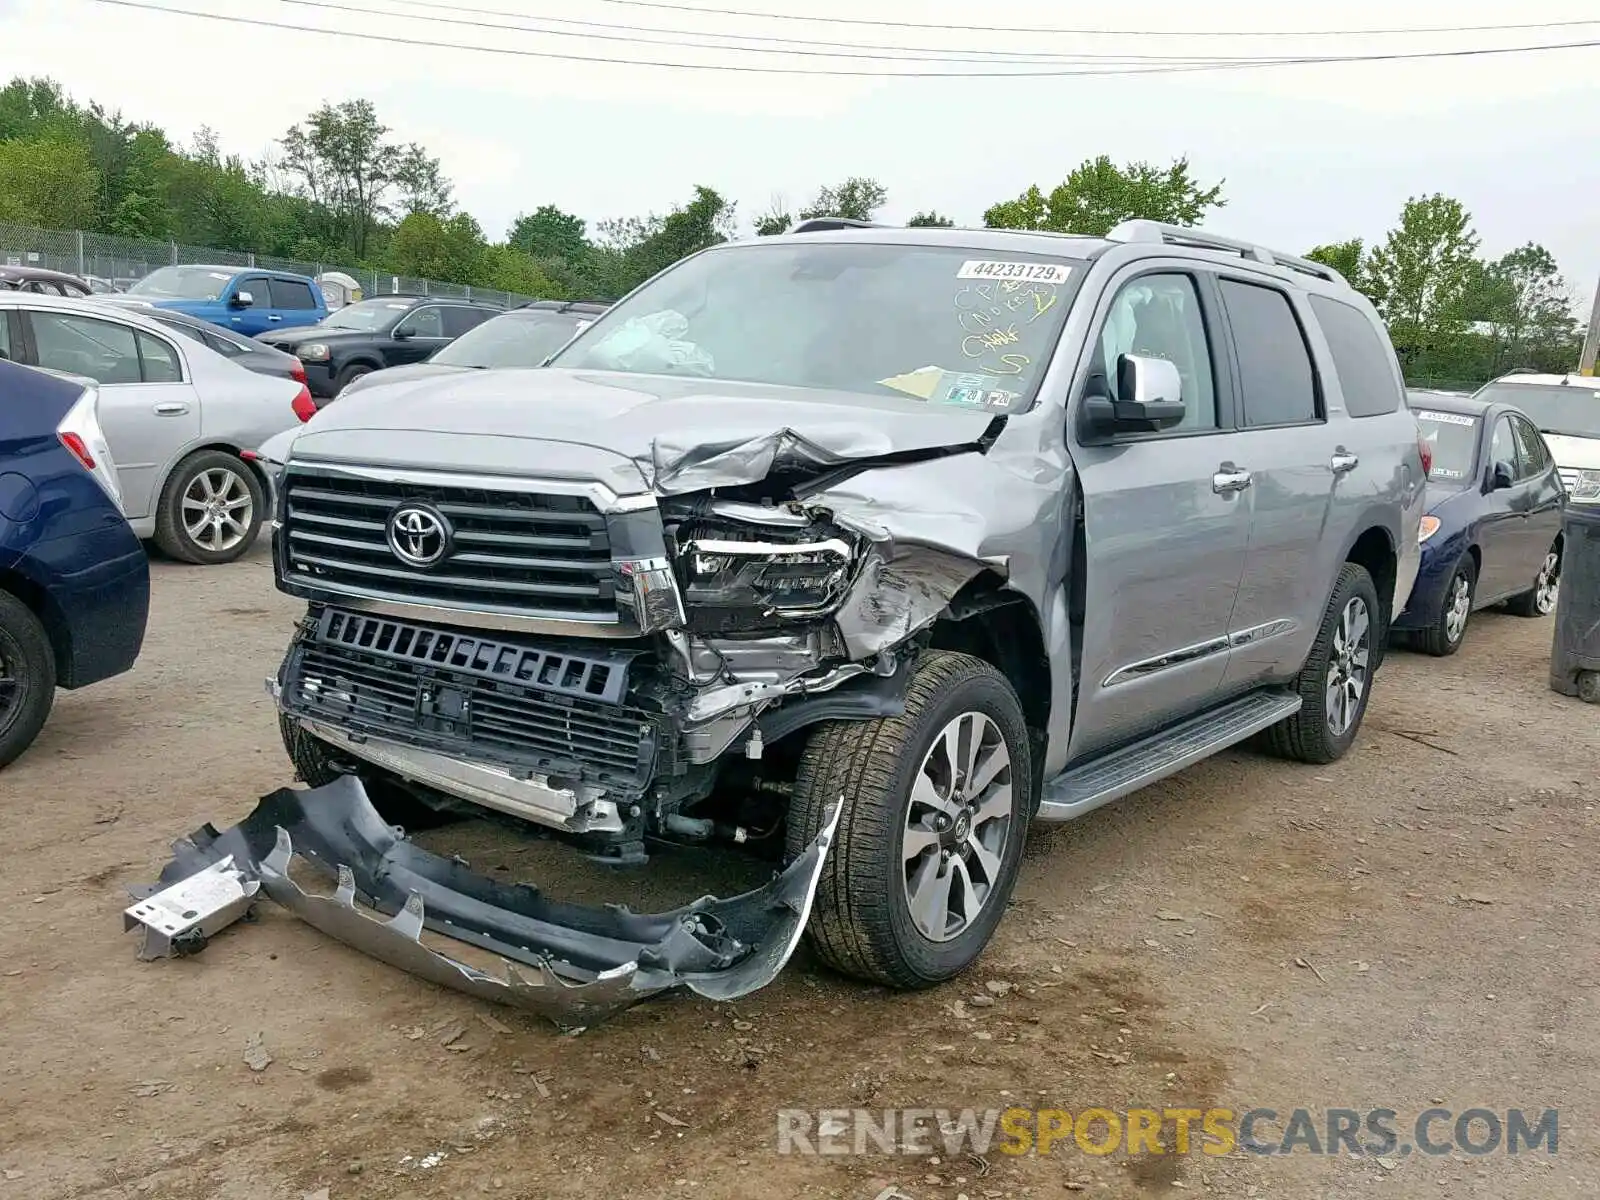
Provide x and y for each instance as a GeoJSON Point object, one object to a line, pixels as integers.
{"type": "Point", "coordinates": [419, 535]}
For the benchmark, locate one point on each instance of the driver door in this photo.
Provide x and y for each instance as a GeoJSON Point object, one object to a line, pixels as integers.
{"type": "Point", "coordinates": [419, 333]}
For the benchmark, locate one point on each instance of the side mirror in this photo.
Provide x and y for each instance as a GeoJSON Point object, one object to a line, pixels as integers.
{"type": "Point", "coordinates": [1149, 397]}
{"type": "Point", "coordinates": [1502, 477]}
{"type": "Point", "coordinates": [242, 300]}
{"type": "Point", "coordinates": [403, 333]}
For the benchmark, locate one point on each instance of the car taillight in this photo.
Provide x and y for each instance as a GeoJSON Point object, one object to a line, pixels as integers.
{"type": "Point", "coordinates": [304, 406]}
{"type": "Point", "coordinates": [1425, 448]}
{"type": "Point", "coordinates": [298, 372]}
{"type": "Point", "coordinates": [80, 434]}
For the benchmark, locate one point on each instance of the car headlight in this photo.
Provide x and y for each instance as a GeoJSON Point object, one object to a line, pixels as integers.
{"type": "Point", "coordinates": [1586, 487]}
{"type": "Point", "coordinates": [734, 578]}
{"type": "Point", "coordinates": [1430, 526]}
{"type": "Point", "coordinates": [313, 352]}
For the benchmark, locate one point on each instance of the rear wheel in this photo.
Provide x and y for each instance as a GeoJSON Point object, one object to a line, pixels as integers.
{"type": "Point", "coordinates": [211, 509]}
{"type": "Point", "coordinates": [1336, 681]}
{"type": "Point", "coordinates": [1540, 600]}
{"type": "Point", "coordinates": [936, 804]}
{"type": "Point", "coordinates": [27, 677]}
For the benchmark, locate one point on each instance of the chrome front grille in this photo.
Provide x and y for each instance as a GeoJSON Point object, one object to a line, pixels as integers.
{"type": "Point", "coordinates": [1569, 477]}
{"type": "Point", "coordinates": [532, 554]}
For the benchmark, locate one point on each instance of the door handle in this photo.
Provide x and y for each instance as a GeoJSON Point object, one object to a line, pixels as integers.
{"type": "Point", "coordinates": [274, 317]}
{"type": "Point", "coordinates": [1343, 461]}
{"type": "Point", "coordinates": [1229, 478]}
{"type": "Point", "coordinates": [171, 408]}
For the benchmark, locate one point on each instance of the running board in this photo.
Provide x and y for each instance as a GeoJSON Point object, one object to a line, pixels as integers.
{"type": "Point", "coordinates": [1085, 787]}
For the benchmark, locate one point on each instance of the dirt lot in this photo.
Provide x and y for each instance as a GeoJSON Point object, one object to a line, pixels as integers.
{"type": "Point", "coordinates": [1155, 951]}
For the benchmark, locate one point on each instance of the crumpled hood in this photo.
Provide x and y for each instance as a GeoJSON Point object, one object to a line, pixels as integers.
{"type": "Point", "coordinates": [1575, 453]}
{"type": "Point", "coordinates": [683, 434]}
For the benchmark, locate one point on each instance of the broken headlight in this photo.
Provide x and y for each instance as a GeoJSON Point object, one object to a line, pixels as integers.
{"type": "Point", "coordinates": [791, 575]}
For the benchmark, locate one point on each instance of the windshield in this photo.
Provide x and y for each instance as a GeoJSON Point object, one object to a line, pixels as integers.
{"type": "Point", "coordinates": [937, 324]}
{"type": "Point", "coordinates": [1554, 407]}
{"type": "Point", "coordinates": [1454, 438]}
{"type": "Point", "coordinates": [183, 283]}
{"type": "Point", "coordinates": [368, 316]}
{"type": "Point", "coordinates": [515, 339]}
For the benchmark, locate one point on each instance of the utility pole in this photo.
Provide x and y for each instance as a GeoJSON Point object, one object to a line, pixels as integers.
{"type": "Point", "coordinates": [1591, 343]}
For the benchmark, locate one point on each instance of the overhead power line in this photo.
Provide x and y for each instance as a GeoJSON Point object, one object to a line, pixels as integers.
{"type": "Point", "coordinates": [1032, 71]}
{"type": "Point", "coordinates": [1047, 29]}
{"type": "Point", "coordinates": [802, 47]}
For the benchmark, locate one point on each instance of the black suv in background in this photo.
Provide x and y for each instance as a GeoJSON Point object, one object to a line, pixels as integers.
{"type": "Point", "coordinates": [383, 331]}
{"type": "Point", "coordinates": [523, 337]}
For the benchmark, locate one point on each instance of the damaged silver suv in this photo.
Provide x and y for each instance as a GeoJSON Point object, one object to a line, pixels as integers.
{"type": "Point", "coordinates": [931, 532]}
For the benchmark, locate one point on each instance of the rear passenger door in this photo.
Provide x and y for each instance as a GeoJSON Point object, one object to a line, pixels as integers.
{"type": "Point", "coordinates": [293, 303]}
{"type": "Point", "coordinates": [1164, 525]}
{"type": "Point", "coordinates": [1288, 449]}
{"type": "Point", "coordinates": [148, 410]}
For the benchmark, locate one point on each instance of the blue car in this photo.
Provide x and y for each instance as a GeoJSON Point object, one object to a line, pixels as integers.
{"type": "Point", "coordinates": [1492, 529]}
{"type": "Point", "coordinates": [74, 581]}
{"type": "Point", "coordinates": [251, 302]}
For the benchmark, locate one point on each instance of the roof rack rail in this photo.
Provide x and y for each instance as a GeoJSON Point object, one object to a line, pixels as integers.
{"type": "Point", "coordinates": [1179, 235]}
{"type": "Point", "coordinates": [821, 224]}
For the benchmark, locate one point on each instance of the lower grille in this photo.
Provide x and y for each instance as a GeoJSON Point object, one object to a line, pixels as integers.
{"type": "Point", "coordinates": [545, 710]}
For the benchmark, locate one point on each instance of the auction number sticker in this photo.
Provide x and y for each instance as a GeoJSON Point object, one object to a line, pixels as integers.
{"type": "Point", "coordinates": [1446, 418]}
{"type": "Point", "coordinates": [1021, 272]}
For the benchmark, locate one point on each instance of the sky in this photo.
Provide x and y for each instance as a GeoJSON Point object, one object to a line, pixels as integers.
{"type": "Point", "coordinates": [1309, 153]}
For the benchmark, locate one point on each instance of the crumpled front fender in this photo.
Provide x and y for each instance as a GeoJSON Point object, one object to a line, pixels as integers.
{"type": "Point", "coordinates": [572, 964]}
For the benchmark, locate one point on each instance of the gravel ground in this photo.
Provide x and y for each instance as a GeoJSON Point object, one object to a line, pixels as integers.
{"type": "Point", "coordinates": [1415, 925]}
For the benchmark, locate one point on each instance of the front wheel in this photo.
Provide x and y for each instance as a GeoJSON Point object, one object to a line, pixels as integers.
{"type": "Point", "coordinates": [1336, 680]}
{"type": "Point", "coordinates": [1540, 600]}
{"type": "Point", "coordinates": [211, 509]}
{"type": "Point", "coordinates": [936, 806]}
{"type": "Point", "coordinates": [1449, 628]}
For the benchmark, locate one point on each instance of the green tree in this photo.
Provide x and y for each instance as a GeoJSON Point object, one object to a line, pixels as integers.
{"type": "Point", "coordinates": [1344, 257]}
{"type": "Point", "coordinates": [422, 185]}
{"type": "Point", "coordinates": [48, 181]}
{"type": "Point", "coordinates": [632, 249]}
{"type": "Point", "coordinates": [448, 250]}
{"type": "Point", "coordinates": [1527, 306]}
{"type": "Point", "coordinates": [857, 199]}
{"type": "Point", "coordinates": [1421, 276]}
{"type": "Point", "coordinates": [1098, 195]}
{"type": "Point", "coordinates": [547, 232]}
{"type": "Point", "coordinates": [930, 219]}
{"type": "Point", "coordinates": [775, 220]}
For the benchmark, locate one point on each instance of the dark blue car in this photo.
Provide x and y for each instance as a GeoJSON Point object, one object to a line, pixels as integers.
{"type": "Point", "coordinates": [1492, 532]}
{"type": "Point", "coordinates": [74, 581]}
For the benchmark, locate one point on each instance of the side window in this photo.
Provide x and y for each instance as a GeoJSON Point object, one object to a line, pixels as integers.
{"type": "Point", "coordinates": [1531, 457]}
{"type": "Point", "coordinates": [256, 285]}
{"type": "Point", "coordinates": [292, 293]}
{"type": "Point", "coordinates": [187, 331]}
{"type": "Point", "coordinates": [5, 335]}
{"type": "Point", "coordinates": [1274, 365]}
{"type": "Point", "coordinates": [103, 351]}
{"type": "Point", "coordinates": [1360, 357]}
{"type": "Point", "coordinates": [1503, 446]}
{"type": "Point", "coordinates": [458, 320]}
{"type": "Point", "coordinates": [425, 322]}
{"type": "Point", "coordinates": [223, 346]}
{"type": "Point", "coordinates": [1159, 316]}
{"type": "Point", "coordinates": [160, 360]}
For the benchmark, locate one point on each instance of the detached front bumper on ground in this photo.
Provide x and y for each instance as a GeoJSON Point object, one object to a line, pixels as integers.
{"type": "Point", "coordinates": [572, 964]}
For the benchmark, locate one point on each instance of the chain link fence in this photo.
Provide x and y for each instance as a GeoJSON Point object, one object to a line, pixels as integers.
{"type": "Point", "coordinates": [122, 262]}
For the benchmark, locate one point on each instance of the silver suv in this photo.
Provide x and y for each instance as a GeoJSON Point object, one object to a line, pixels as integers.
{"type": "Point", "coordinates": [874, 541]}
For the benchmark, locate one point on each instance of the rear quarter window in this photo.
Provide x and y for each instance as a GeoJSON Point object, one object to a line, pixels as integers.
{"type": "Point", "coordinates": [1361, 359]}
{"type": "Point", "coordinates": [292, 293]}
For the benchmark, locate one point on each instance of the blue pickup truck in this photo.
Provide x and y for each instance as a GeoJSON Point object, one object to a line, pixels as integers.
{"type": "Point", "coordinates": [250, 301]}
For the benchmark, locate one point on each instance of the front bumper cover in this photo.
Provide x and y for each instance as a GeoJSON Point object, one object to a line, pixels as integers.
{"type": "Point", "coordinates": [572, 964]}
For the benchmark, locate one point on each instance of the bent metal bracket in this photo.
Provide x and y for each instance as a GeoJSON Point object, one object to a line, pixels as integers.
{"type": "Point", "coordinates": [572, 964]}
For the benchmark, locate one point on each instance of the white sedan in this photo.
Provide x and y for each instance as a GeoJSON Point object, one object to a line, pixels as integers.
{"type": "Point", "coordinates": [177, 416]}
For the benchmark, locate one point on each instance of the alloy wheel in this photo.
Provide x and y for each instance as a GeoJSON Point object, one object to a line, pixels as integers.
{"type": "Point", "coordinates": [1347, 666]}
{"type": "Point", "coordinates": [217, 510]}
{"type": "Point", "coordinates": [1457, 609]}
{"type": "Point", "coordinates": [1547, 588]}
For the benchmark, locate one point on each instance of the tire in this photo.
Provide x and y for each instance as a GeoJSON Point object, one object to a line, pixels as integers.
{"type": "Point", "coordinates": [190, 531]}
{"type": "Point", "coordinates": [1449, 629]}
{"type": "Point", "coordinates": [349, 375]}
{"type": "Point", "coordinates": [27, 677]}
{"type": "Point", "coordinates": [862, 921]}
{"type": "Point", "coordinates": [1310, 736]}
{"type": "Point", "coordinates": [313, 766]}
{"type": "Point", "coordinates": [1540, 599]}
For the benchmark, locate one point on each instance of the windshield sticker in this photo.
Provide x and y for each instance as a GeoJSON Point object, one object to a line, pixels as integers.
{"type": "Point", "coordinates": [1025, 272]}
{"type": "Point", "coordinates": [958, 389]}
{"type": "Point", "coordinates": [1001, 399]}
{"type": "Point", "coordinates": [1446, 418]}
{"type": "Point", "coordinates": [919, 383]}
